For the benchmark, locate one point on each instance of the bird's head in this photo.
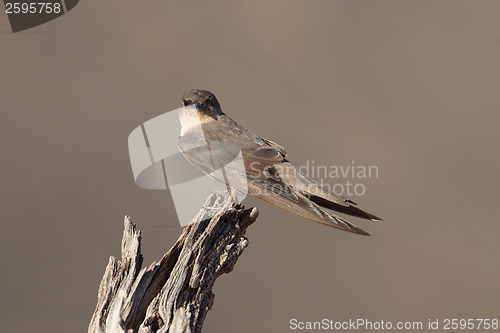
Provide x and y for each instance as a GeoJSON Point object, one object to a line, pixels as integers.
{"type": "Point", "coordinates": [204, 101]}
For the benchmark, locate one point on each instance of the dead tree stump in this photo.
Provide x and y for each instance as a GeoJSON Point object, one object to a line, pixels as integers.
{"type": "Point", "coordinates": [175, 294]}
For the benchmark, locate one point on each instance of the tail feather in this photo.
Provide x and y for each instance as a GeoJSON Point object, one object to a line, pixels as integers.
{"type": "Point", "coordinates": [349, 210]}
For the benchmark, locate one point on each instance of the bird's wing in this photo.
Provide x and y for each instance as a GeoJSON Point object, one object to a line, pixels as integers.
{"type": "Point", "coordinates": [309, 187]}
{"type": "Point", "coordinates": [268, 180]}
{"type": "Point", "coordinates": [319, 194]}
{"type": "Point", "coordinates": [275, 146]}
{"type": "Point", "coordinates": [264, 180]}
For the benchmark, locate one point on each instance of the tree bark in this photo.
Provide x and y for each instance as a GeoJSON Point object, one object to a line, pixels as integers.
{"type": "Point", "coordinates": [175, 294]}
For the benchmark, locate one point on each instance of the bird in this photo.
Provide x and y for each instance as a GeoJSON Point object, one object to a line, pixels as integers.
{"type": "Point", "coordinates": [210, 139]}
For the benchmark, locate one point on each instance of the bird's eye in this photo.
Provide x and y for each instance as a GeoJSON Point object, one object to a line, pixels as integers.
{"type": "Point", "coordinates": [186, 102]}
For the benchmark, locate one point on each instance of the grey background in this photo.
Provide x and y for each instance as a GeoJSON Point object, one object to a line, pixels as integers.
{"type": "Point", "coordinates": [412, 87]}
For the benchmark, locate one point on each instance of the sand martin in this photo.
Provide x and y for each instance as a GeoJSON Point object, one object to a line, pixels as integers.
{"type": "Point", "coordinates": [267, 173]}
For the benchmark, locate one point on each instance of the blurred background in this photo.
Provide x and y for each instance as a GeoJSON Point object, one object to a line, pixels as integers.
{"type": "Point", "coordinates": [410, 87]}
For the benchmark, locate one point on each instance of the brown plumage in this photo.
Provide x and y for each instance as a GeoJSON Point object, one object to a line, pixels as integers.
{"type": "Point", "coordinates": [269, 175]}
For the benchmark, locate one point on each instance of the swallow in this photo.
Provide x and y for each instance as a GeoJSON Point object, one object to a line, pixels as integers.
{"type": "Point", "coordinates": [268, 174]}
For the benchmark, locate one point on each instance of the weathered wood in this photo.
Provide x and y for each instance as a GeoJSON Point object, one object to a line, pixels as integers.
{"type": "Point", "coordinates": [175, 294]}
